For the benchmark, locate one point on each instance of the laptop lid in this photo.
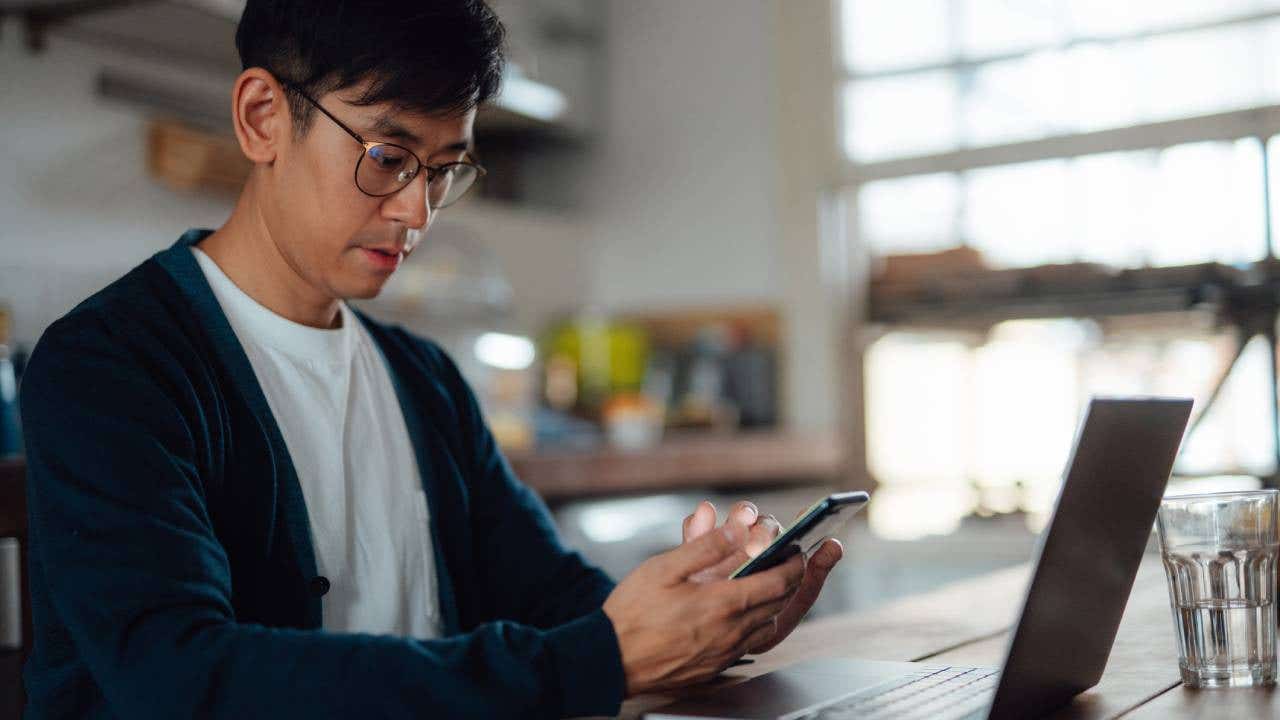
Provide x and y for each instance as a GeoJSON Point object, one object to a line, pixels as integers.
{"type": "Point", "coordinates": [1090, 552]}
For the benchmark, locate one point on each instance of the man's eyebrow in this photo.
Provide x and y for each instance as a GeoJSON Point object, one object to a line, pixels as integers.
{"type": "Point", "coordinates": [386, 126]}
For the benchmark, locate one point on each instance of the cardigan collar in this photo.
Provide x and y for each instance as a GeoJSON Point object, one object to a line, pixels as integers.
{"type": "Point", "coordinates": [181, 264]}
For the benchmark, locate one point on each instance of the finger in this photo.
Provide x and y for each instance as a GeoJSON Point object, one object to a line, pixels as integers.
{"type": "Point", "coordinates": [743, 512]}
{"type": "Point", "coordinates": [762, 613]}
{"type": "Point", "coordinates": [701, 553]}
{"type": "Point", "coordinates": [772, 584]}
{"type": "Point", "coordinates": [827, 554]}
{"type": "Point", "coordinates": [759, 636]}
{"type": "Point", "coordinates": [701, 521]}
{"type": "Point", "coordinates": [815, 576]}
{"type": "Point", "coordinates": [723, 569]}
{"type": "Point", "coordinates": [762, 534]}
{"type": "Point", "coordinates": [817, 568]}
{"type": "Point", "coordinates": [737, 623]}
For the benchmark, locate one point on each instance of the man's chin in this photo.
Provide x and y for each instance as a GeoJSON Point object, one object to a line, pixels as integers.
{"type": "Point", "coordinates": [367, 293]}
{"type": "Point", "coordinates": [366, 290]}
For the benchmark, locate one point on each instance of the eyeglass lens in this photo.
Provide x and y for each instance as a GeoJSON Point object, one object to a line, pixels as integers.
{"type": "Point", "coordinates": [386, 168]}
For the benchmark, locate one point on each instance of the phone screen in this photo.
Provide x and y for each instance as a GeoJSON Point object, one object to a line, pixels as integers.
{"type": "Point", "coordinates": [823, 519]}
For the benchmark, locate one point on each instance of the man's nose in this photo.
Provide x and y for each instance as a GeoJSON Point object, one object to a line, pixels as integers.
{"type": "Point", "coordinates": [409, 204]}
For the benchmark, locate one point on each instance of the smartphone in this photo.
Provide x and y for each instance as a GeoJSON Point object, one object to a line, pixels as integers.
{"type": "Point", "coordinates": [822, 520]}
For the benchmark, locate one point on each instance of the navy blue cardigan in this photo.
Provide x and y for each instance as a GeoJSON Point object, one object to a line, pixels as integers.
{"type": "Point", "coordinates": [172, 571]}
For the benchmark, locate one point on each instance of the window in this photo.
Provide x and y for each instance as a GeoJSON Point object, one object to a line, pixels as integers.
{"type": "Point", "coordinates": [1190, 203]}
{"type": "Point", "coordinates": [937, 75]}
{"type": "Point", "coordinates": [1131, 135]}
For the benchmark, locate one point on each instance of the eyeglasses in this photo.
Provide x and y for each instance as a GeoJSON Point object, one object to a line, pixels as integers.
{"type": "Point", "coordinates": [385, 169]}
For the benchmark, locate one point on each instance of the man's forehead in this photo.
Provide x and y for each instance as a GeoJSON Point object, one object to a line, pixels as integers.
{"type": "Point", "coordinates": [440, 132]}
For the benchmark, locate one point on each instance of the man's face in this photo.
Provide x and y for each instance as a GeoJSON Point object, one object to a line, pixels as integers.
{"type": "Point", "coordinates": [339, 240]}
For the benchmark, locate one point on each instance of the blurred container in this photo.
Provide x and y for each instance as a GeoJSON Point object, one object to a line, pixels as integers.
{"type": "Point", "coordinates": [10, 432]}
{"type": "Point", "coordinates": [10, 595]}
{"type": "Point", "coordinates": [185, 158]}
{"type": "Point", "coordinates": [633, 422]}
{"type": "Point", "coordinates": [608, 358]}
{"type": "Point", "coordinates": [751, 381]}
{"type": "Point", "coordinates": [702, 388]}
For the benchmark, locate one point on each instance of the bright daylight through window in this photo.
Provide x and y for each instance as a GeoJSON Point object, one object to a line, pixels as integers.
{"type": "Point", "coordinates": [1066, 141]}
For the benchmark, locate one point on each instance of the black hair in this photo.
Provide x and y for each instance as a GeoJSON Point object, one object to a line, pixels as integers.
{"type": "Point", "coordinates": [434, 57]}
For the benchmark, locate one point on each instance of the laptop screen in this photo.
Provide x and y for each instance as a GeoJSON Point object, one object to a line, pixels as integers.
{"type": "Point", "coordinates": [1090, 552]}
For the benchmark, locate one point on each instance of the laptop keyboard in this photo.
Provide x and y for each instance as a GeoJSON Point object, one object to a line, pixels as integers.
{"type": "Point", "coordinates": [942, 694]}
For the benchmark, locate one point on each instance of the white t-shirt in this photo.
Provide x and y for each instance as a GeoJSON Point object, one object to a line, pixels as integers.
{"type": "Point", "coordinates": [331, 394]}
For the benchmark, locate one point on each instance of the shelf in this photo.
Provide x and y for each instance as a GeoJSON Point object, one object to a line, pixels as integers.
{"type": "Point", "coordinates": [682, 462]}
{"type": "Point", "coordinates": [986, 297]}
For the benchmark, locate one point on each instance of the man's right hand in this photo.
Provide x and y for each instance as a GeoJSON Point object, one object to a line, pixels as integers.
{"type": "Point", "coordinates": [674, 631]}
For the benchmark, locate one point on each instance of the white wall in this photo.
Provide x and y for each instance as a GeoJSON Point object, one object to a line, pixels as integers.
{"type": "Point", "coordinates": [681, 196]}
{"type": "Point", "coordinates": [823, 272]}
{"type": "Point", "coordinates": [712, 174]}
{"type": "Point", "coordinates": [77, 208]}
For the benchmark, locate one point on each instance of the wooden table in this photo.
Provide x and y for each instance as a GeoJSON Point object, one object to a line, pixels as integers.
{"type": "Point", "coordinates": [967, 623]}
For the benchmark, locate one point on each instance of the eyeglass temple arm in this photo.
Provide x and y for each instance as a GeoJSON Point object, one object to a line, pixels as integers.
{"type": "Point", "coordinates": [327, 114]}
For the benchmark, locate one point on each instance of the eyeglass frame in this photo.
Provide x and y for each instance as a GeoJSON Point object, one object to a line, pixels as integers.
{"type": "Point", "coordinates": [432, 170]}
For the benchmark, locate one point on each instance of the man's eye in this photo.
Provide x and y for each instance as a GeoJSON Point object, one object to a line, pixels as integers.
{"type": "Point", "coordinates": [387, 158]}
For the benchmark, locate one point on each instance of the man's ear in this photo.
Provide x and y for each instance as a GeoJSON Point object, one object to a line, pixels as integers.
{"type": "Point", "coordinates": [260, 114]}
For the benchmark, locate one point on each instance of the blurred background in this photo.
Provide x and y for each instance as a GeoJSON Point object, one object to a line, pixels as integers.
{"type": "Point", "coordinates": [753, 248]}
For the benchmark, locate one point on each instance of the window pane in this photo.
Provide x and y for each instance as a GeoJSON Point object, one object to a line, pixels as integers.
{"type": "Point", "coordinates": [888, 34]}
{"type": "Point", "coordinates": [1095, 86]}
{"type": "Point", "coordinates": [900, 116]}
{"type": "Point", "coordinates": [1108, 18]}
{"type": "Point", "coordinates": [1194, 203]}
{"type": "Point", "coordinates": [1209, 204]}
{"type": "Point", "coordinates": [1236, 434]}
{"type": "Point", "coordinates": [909, 215]}
{"type": "Point", "coordinates": [1017, 100]}
{"type": "Point", "coordinates": [1107, 81]}
{"type": "Point", "coordinates": [1112, 199]}
{"type": "Point", "coordinates": [1064, 90]}
{"type": "Point", "coordinates": [991, 27]}
{"type": "Point", "coordinates": [1018, 215]}
{"type": "Point", "coordinates": [917, 397]}
{"type": "Point", "coordinates": [1203, 72]}
{"type": "Point", "coordinates": [1026, 377]}
{"type": "Point", "coordinates": [1002, 413]}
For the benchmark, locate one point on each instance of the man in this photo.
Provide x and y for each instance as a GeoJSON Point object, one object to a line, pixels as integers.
{"type": "Point", "coordinates": [248, 500]}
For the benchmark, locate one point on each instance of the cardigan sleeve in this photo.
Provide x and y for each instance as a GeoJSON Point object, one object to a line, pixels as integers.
{"type": "Point", "coordinates": [140, 583]}
{"type": "Point", "coordinates": [533, 577]}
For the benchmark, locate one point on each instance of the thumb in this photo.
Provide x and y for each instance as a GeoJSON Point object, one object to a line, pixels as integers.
{"type": "Point", "coordinates": [702, 552]}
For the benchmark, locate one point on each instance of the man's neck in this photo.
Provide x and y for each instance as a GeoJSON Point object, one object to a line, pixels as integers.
{"type": "Point", "coordinates": [245, 250]}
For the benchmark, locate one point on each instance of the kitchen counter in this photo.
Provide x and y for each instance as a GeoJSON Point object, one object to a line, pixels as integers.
{"type": "Point", "coordinates": [683, 461]}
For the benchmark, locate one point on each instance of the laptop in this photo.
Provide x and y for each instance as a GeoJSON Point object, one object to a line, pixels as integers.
{"type": "Point", "coordinates": [1086, 563]}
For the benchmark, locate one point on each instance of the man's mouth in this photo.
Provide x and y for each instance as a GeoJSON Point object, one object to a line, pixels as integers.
{"type": "Point", "coordinates": [382, 259]}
